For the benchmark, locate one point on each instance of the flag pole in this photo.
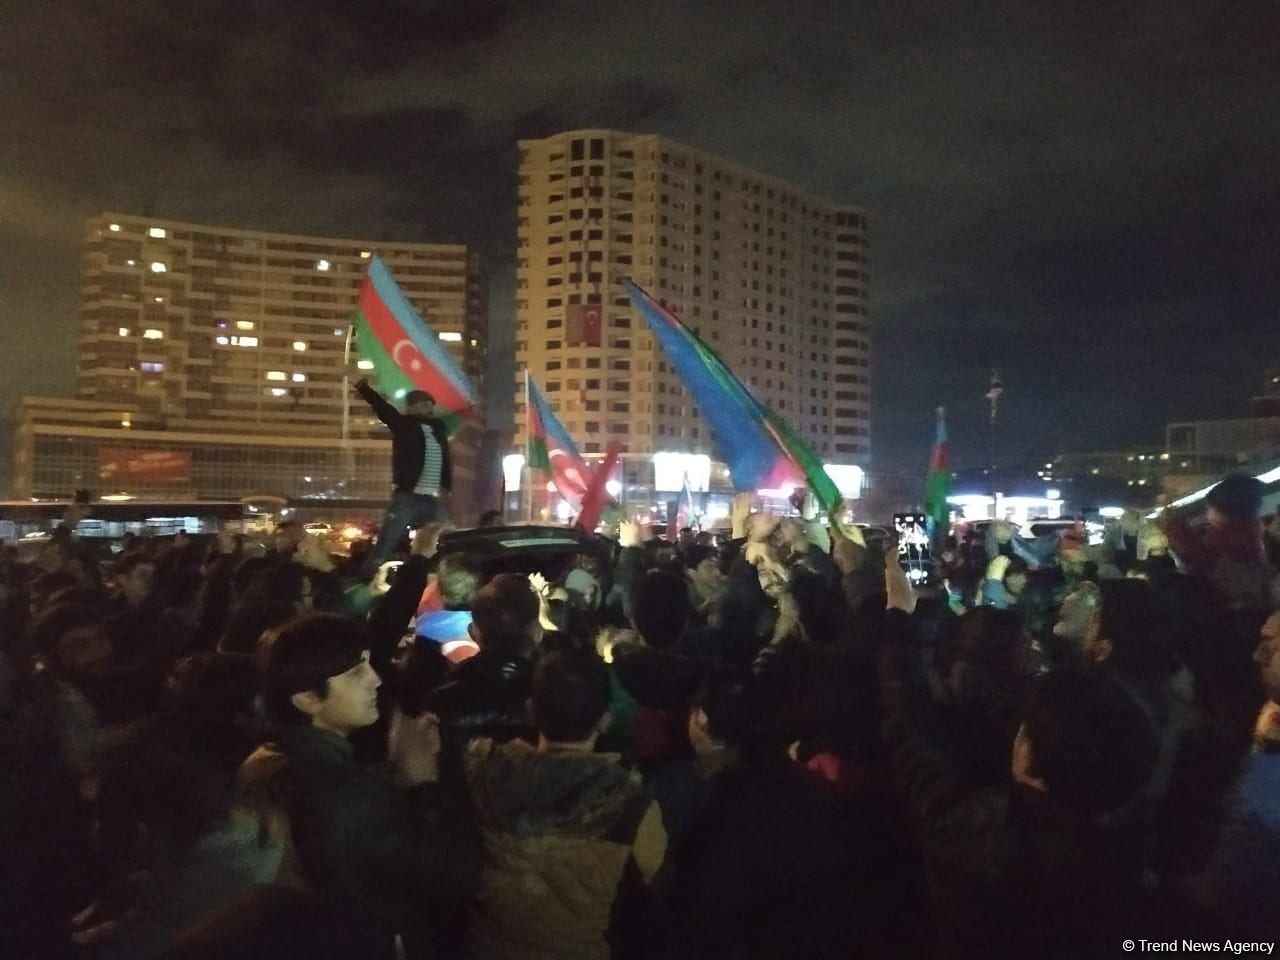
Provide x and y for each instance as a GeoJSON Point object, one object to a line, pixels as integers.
{"type": "Point", "coordinates": [528, 471]}
{"type": "Point", "coordinates": [349, 454]}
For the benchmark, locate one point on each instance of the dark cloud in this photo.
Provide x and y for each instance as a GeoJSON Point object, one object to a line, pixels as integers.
{"type": "Point", "coordinates": [1082, 195]}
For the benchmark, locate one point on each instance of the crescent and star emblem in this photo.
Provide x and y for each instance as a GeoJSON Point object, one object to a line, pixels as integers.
{"type": "Point", "coordinates": [406, 356]}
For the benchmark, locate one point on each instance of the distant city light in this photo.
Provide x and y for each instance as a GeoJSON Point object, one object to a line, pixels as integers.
{"type": "Point", "coordinates": [451, 336]}
{"type": "Point", "coordinates": [157, 232]}
{"type": "Point", "coordinates": [512, 464]}
{"type": "Point", "coordinates": [123, 331]}
{"type": "Point", "coordinates": [563, 511]}
{"type": "Point", "coordinates": [279, 392]}
{"type": "Point", "coordinates": [365, 254]}
{"type": "Point", "coordinates": [244, 324]}
{"type": "Point", "coordinates": [364, 364]}
{"type": "Point", "coordinates": [158, 267]}
{"type": "Point", "coordinates": [158, 299]}
{"type": "Point", "coordinates": [1053, 493]}
{"type": "Point", "coordinates": [323, 265]}
{"type": "Point", "coordinates": [613, 488]}
{"type": "Point", "coordinates": [221, 341]}
{"type": "Point", "coordinates": [244, 341]}
{"type": "Point", "coordinates": [276, 375]}
{"type": "Point", "coordinates": [114, 227]}
{"type": "Point", "coordinates": [1111, 513]}
{"type": "Point", "coordinates": [299, 377]}
{"type": "Point", "coordinates": [151, 366]}
{"type": "Point", "coordinates": [126, 423]}
{"type": "Point", "coordinates": [400, 394]}
{"type": "Point", "coordinates": [338, 331]}
{"type": "Point", "coordinates": [151, 333]}
{"type": "Point", "coordinates": [299, 345]}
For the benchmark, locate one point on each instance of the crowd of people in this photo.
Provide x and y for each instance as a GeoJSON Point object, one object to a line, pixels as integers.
{"type": "Point", "coordinates": [768, 744]}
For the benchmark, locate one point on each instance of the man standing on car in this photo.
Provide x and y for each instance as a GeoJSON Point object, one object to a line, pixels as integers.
{"type": "Point", "coordinates": [420, 467]}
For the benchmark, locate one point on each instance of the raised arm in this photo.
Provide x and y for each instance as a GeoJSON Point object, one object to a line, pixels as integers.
{"type": "Point", "coordinates": [386, 412]}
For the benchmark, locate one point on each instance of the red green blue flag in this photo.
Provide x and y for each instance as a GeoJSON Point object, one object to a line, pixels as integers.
{"type": "Point", "coordinates": [550, 449]}
{"type": "Point", "coordinates": [937, 483]}
{"type": "Point", "coordinates": [760, 448]}
{"type": "Point", "coordinates": [405, 353]}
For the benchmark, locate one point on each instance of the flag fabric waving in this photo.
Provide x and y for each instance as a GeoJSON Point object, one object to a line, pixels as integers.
{"type": "Point", "coordinates": [937, 483]}
{"type": "Point", "coordinates": [550, 448]}
{"type": "Point", "coordinates": [759, 447]}
{"type": "Point", "coordinates": [685, 515]}
{"type": "Point", "coordinates": [405, 353]}
{"type": "Point", "coordinates": [597, 497]}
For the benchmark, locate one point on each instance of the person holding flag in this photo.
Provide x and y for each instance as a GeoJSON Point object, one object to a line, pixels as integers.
{"type": "Point", "coordinates": [409, 362]}
{"type": "Point", "coordinates": [421, 471]}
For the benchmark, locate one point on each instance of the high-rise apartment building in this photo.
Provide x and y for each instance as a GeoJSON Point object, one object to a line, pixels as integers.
{"type": "Point", "coordinates": [775, 281]}
{"type": "Point", "coordinates": [193, 338]}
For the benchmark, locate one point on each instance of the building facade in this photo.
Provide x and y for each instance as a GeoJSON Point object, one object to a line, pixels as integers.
{"type": "Point", "coordinates": [229, 347]}
{"type": "Point", "coordinates": [774, 281]}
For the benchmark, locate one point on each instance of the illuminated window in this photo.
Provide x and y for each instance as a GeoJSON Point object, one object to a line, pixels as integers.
{"type": "Point", "coordinates": [277, 391]}
{"type": "Point", "coordinates": [158, 299]}
{"type": "Point", "coordinates": [451, 336]}
{"type": "Point", "coordinates": [150, 366]}
{"type": "Point", "coordinates": [323, 265]}
{"type": "Point", "coordinates": [244, 341]}
{"type": "Point", "coordinates": [338, 331]}
{"type": "Point", "coordinates": [244, 324]}
{"type": "Point", "coordinates": [275, 375]}
{"type": "Point", "coordinates": [364, 364]}
{"type": "Point", "coordinates": [123, 331]}
{"type": "Point", "coordinates": [299, 378]}
{"type": "Point", "coordinates": [158, 267]}
{"type": "Point", "coordinates": [151, 333]}
{"type": "Point", "coordinates": [114, 227]}
{"type": "Point", "coordinates": [157, 232]}
{"type": "Point", "coordinates": [221, 341]}
{"type": "Point", "coordinates": [365, 254]}
{"type": "Point", "coordinates": [299, 345]}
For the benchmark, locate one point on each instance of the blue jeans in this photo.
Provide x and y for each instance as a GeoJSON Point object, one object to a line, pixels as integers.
{"type": "Point", "coordinates": [405, 510]}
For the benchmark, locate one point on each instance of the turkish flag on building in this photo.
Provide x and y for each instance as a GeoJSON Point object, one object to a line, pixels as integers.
{"type": "Point", "coordinates": [583, 323]}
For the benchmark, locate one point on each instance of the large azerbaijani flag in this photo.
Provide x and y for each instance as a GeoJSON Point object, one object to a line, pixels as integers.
{"type": "Point", "coordinates": [937, 483]}
{"type": "Point", "coordinates": [405, 353]}
{"type": "Point", "coordinates": [550, 448]}
{"type": "Point", "coordinates": [760, 448]}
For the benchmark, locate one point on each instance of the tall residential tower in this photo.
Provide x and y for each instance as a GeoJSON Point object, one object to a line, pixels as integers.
{"type": "Point", "coordinates": [774, 280]}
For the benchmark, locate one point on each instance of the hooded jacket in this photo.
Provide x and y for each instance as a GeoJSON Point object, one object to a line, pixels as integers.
{"type": "Point", "coordinates": [564, 831]}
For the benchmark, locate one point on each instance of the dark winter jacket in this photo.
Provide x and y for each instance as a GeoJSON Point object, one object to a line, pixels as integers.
{"type": "Point", "coordinates": [484, 697]}
{"type": "Point", "coordinates": [764, 870]}
{"type": "Point", "coordinates": [565, 834]}
{"type": "Point", "coordinates": [408, 448]}
{"type": "Point", "coordinates": [393, 857]}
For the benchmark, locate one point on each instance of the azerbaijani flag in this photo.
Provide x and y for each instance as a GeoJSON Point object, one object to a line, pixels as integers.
{"type": "Point", "coordinates": [937, 483]}
{"type": "Point", "coordinates": [550, 448]}
{"type": "Point", "coordinates": [761, 449]}
{"type": "Point", "coordinates": [405, 353]}
{"type": "Point", "coordinates": [685, 515]}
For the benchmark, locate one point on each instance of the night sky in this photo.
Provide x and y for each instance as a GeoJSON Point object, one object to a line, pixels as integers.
{"type": "Point", "coordinates": [1087, 199]}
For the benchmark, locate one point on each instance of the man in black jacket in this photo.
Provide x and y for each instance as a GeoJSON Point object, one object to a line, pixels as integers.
{"type": "Point", "coordinates": [382, 856]}
{"type": "Point", "coordinates": [420, 466]}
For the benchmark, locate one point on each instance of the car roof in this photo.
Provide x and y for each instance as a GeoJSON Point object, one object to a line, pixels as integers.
{"type": "Point", "coordinates": [523, 538]}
